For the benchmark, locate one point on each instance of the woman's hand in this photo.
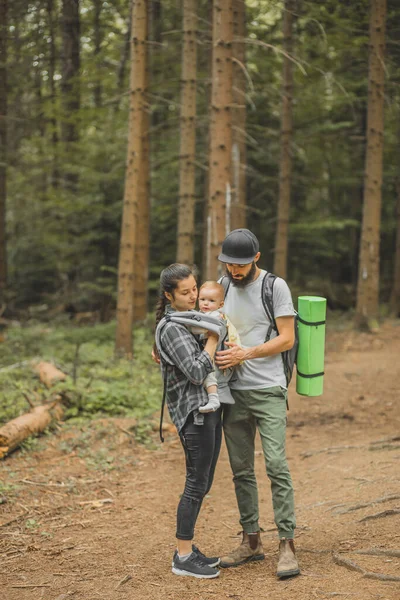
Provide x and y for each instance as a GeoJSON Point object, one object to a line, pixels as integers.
{"type": "Point", "coordinates": [155, 357]}
{"type": "Point", "coordinates": [230, 358]}
{"type": "Point", "coordinates": [212, 335]}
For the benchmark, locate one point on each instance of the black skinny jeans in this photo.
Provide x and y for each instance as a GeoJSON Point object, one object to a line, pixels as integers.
{"type": "Point", "coordinates": [201, 444]}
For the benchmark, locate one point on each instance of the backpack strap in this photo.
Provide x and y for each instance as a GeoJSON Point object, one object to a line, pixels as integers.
{"type": "Point", "coordinates": [165, 364]}
{"type": "Point", "coordinates": [163, 405]}
{"type": "Point", "coordinates": [225, 282]}
{"type": "Point", "coordinates": [267, 289]}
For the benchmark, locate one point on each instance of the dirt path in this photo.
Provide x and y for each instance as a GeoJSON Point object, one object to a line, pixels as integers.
{"type": "Point", "coordinates": [90, 514]}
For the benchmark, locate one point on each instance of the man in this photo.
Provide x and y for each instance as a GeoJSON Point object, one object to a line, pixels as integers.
{"type": "Point", "coordinates": [260, 397]}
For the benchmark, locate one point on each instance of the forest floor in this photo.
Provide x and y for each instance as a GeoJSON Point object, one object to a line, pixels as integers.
{"type": "Point", "coordinates": [89, 513]}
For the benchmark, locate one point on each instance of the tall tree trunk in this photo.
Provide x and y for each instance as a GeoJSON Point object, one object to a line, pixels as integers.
{"type": "Point", "coordinates": [70, 88]}
{"type": "Point", "coordinates": [187, 174]}
{"type": "Point", "coordinates": [142, 237]}
{"type": "Point", "coordinates": [42, 176]}
{"type": "Point", "coordinates": [285, 167]}
{"type": "Point", "coordinates": [205, 252]}
{"type": "Point", "coordinates": [157, 64]}
{"type": "Point", "coordinates": [137, 107]}
{"type": "Point", "coordinates": [367, 309]}
{"type": "Point", "coordinates": [97, 6]}
{"type": "Point", "coordinates": [220, 134]}
{"type": "Point", "coordinates": [238, 208]}
{"type": "Point", "coordinates": [53, 92]}
{"type": "Point", "coordinates": [394, 303]}
{"type": "Point", "coordinates": [124, 59]}
{"type": "Point", "coordinates": [3, 143]}
{"type": "Point", "coordinates": [357, 201]}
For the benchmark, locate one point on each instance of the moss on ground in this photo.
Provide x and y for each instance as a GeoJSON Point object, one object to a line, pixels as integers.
{"type": "Point", "coordinates": [98, 383]}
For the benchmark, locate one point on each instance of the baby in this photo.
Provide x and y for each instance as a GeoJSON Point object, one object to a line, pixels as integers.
{"type": "Point", "coordinates": [211, 301]}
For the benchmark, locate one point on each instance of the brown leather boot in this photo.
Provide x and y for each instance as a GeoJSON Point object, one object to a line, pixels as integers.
{"type": "Point", "coordinates": [250, 549]}
{"type": "Point", "coordinates": [287, 563]}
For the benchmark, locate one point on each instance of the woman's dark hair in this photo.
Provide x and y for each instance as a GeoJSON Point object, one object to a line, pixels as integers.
{"type": "Point", "coordinates": [169, 281]}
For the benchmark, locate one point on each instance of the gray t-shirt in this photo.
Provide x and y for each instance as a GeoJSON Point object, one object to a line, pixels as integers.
{"type": "Point", "coordinates": [244, 308]}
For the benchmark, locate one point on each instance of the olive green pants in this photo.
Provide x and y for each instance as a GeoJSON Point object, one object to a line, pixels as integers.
{"type": "Point", "coordinates": [265, 410]}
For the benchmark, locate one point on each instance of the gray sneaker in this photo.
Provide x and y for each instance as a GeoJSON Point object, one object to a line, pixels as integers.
{"type": "Point", "coordinates": [211, 561]}
{"type": "Point", "coordinates": [193, 566]}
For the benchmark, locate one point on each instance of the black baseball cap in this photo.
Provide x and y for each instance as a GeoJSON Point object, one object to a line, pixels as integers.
{"type": "Point", "coordinates": [239, 247]}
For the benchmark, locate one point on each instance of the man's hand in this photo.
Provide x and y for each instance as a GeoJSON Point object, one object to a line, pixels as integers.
{"type": "Point", "coordinates": [230, 358]}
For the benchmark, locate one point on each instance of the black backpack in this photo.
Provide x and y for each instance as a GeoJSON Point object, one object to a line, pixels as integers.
{"type": "Point", "coordinates": [267, 288]}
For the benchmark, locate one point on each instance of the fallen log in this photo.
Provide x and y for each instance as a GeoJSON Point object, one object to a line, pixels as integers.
{"type": "Point", "coordinates": [16, 431]}
{"type": "Point", "coordinates": [48, 373]}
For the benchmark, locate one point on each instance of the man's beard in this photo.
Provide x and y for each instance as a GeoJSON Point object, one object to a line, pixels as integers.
{"type": "Point", "coordinates": [242, 282]}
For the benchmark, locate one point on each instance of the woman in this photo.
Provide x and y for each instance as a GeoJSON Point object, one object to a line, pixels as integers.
{"type": "Point", "coordinates": [185, 365]}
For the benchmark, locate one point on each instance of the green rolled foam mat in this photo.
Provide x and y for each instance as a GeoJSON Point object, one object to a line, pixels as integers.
{"type": "Point", "coordinates": [311, 351]}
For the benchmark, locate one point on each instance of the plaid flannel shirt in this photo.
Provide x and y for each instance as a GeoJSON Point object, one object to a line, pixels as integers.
{"type": "Point", "coordinates": [185, 366]}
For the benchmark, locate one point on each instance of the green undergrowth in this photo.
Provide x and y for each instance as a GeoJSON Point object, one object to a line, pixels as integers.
{"type": "Point", "coordinates": [98, 383]}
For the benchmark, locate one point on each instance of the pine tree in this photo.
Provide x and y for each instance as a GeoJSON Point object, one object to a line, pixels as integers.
{"type": "Point", "coordinates": [51, 18]}
{"type": "Point", "coordinates": [238, 207]}
{"type": "Point", "coordinates": [285, 167]}
{"type": "Point", "coordinates": [367, 309]}
{"type": "Point", "coordinates": [187, 198]}
{"type": "Point", "coordinates": [394, 303]}
{"type": "Point", "coordinates": [220, 186]}
{"type": "Point", "coordinates": [3, 143]}
{"type": "Point", "coordinates": [130, 224]}
{"type": "Point", "coordinates": [125, 53]}
{"type": "Point", "coordinates": [98, 35]}
{"type": "Point", "coordinates": [142, 237]}
{"type": "Point", "coordinates": [70, 84]}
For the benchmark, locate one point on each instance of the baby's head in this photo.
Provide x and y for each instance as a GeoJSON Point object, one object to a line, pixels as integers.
{"type": "Point", "coordinates": [211, 296]}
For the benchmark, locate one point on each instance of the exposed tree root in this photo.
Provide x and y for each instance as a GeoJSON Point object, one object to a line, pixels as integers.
{"type": "Point", "coordinates": [334, 594]}
{"type": "Point", "coordinates": [366, 504]}
{"type": "Point", "coordinates": [381, 576]}
{"type": "Point", "coordinates": [329, 450]}
{"type": "Point", "coordinates": [347, 563]}
{"type": "Point", "coordinates": [335, 449]}
{"type": "Point", "coordinates": [123, 580]}
{"type": "Point", "coordinates": [393, 438]}
{"type": "Point", "coordinates": [315, 551]}
{"type": "Point", "coordinates": [379, 552]}
{"type": "Point", "coordinates": [385, 513]}
{"type": "Point", "coordinates": [15, 519]}
{"type": "Point", "coordinates": [352, 566]}
{"type": "Point", "coordinates": [31, 585]}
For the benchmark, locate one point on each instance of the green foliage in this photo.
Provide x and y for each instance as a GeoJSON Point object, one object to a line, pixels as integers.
{"type": "Point", "coordinates": [30, 444]}
{"type": "Point", "coordinates": [31, 524]}
{"type": "Point", "coordinates": [63, 245]}
{"type": "Point", "coordinates": [104, 385]}
{"type": "Point", "coordinates": [7, 489]}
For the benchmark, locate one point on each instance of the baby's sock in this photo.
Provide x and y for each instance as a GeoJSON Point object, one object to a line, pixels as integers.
{"type": "Point", "coordinates": [212, 405]}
